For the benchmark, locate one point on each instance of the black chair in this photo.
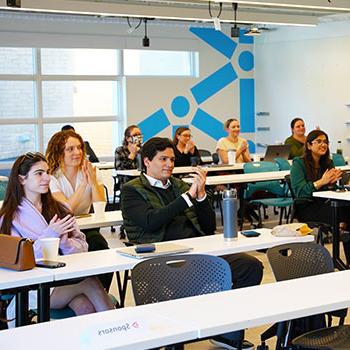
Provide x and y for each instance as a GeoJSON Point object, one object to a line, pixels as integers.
{"type": "Point", "coordinates": [324, 231]}
{"type": "Point", "coordinates": [327, 338]}
{"type": "Point", "coordinates": [173, 277]}
{"type": "Point", "coordinates": [205, 153]}
{"type": "Point", "coordinates": [296, 260]}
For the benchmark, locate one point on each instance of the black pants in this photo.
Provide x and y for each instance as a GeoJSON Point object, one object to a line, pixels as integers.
{"type": "Point", "coordinates": [97, 242]}
{"type": "Point", "coordinates": [246, 271]}
{"type": "Point", "coordinates": [319, 210]}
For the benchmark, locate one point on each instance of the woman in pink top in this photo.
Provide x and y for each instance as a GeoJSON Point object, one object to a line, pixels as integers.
{"type": "Point", "coordinates": [30, 211]}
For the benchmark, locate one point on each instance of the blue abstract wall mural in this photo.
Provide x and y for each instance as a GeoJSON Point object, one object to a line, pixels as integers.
{"type": "Point", "coordinates": [210, 86]}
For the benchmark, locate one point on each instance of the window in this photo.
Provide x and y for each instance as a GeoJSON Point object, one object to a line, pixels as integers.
{"type": "Point", "coordinates": [160, 63]}
{"type": "Point", "coordinates": [79, 62]}
{"type": "Point", "coordinates": [43, 89]}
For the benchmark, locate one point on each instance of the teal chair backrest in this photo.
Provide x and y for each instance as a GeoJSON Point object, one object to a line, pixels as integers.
{"type": "Point", "coordinates": [338, 159]}
{"type": "Point", "coordinates": [259, 167]}
{"type": "Point", "coordinates": [282, 164]}
{"type": "Point", "coordinates": [273, 186]}
{"type": "Point", "coordinates": [3, 186]}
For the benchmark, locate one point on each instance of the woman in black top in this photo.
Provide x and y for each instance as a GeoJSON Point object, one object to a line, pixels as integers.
{"type": "Point", "coordinates": [186, 153]}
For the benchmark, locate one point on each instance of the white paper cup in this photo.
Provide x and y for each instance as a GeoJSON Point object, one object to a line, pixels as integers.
{"type": "Point", "coordinates": [49, 247]}
{"type": "Point", "coordinates": [99, 209]}
{"type": "Point", "coordinates": [256, 157]}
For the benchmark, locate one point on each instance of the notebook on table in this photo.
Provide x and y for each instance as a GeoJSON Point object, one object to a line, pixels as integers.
{"type": "Point", "coordinates": [161, 249]}
{"type": "Point", "coordinates": [276, 151]}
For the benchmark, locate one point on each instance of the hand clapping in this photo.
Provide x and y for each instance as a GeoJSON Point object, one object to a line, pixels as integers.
{"type": "Point", "coordinates": [197, 189]}
{"type": "Point", "coordinates": [63, 226]}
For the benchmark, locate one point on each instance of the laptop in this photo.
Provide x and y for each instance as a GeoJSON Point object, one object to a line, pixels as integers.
{"type": "Point", "coordinates": [161, 249]}
{"type": "Point", "coordinates": [276, 151]}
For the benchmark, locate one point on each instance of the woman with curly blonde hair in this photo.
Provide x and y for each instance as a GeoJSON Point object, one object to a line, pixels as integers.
{"type": "Point", "coordinates": [75, 181]}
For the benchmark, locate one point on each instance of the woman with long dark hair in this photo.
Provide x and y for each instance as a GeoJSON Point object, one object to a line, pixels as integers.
{"type": "Point", "coordinates": [314, 171]}
{"type": "Point", "coordinates": [30, 211]}
{"type": "Point", "coordinates": [184, 148]}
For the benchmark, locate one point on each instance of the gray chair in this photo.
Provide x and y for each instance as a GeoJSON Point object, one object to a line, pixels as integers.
{"type": "Point", "coordinates": [335, 338]}
{"type": "Point", "coordinates": [173, 277]}
{"type": "Point", "coordinates": [296, 260]}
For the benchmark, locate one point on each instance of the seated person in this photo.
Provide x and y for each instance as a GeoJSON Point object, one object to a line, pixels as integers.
{"type": "Point", "coordinates": [30, 211]}
{"type": "Point", "coordinates": [186, 152]}
{"type": "Point", "coordinates": [76, 182]}
{"type": "Point", "coordinates": [233, 142]}
{"type": "Point", "coordinates": [314, 171]}
{"type": "Point", "coordinates": [159, 207]}
{"type": "Point", "coordinates": [126, 155]}
{"type": "Point", "coordinates": [297, 139]}
{"type": "Point", "coordinates": [89, 151]}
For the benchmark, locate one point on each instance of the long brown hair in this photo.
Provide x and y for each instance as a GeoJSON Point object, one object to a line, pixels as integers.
{"type": "Point", "coordinates": [178, 132]}
{"type": "Point", "coordinates": [55, 149]}
{"type": "Point", "coordinates": [15, 193]}
{"type": "Point", "coordinates": [312, 174]}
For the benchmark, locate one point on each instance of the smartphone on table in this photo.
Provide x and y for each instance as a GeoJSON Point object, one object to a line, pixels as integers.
{"type": "Point", "coordinates": [50, 264]}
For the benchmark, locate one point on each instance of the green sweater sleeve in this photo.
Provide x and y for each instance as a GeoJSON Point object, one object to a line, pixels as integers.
{"type": "Point", "coordinates": [302, 188]}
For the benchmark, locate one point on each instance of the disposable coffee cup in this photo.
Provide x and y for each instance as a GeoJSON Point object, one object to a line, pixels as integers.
{"type": "Point", "coordinates": [256, 157]}
{"type": "Point", "coordinates": [49, 247]}
{"type": "Point", "coordinates": [99, 209]}
{"type": "Point", "coordinates": [231, 154]}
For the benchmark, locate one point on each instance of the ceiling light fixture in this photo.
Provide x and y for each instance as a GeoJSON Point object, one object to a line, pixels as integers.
{"type": "Point", "coordinates": [235, 30]}
{"type": "Point", "coordinates": [253, 32]}
{"type": "Point", "coordinates": [145, 40]}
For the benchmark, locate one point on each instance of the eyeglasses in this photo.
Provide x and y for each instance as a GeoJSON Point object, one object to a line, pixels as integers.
{"type": "Point", "coordinates": [320, 142]}
{"type": "Point", "coordinates": [186, 135]}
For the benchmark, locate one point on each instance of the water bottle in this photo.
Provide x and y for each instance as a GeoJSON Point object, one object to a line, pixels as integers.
{"type": "Point", "coordinates": [230, 205]}
{"type": "Point", "coordinates": [339, 148]}
{"type": "Point", "coordinates": [231, 154]}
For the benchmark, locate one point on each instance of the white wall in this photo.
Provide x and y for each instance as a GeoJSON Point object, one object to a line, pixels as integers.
{"type": "Point", "coordinates": [305, 72]}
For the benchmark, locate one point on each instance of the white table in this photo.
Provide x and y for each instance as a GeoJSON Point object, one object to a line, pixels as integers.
{"type": "Point", "coordinates": [133, 328]}
{"type": "Point", "coordinates": [20, 282]}
{"type": "Point", "coordinates": [104, 165]}
{"type": "Point", "coordinates": [189, 318]}
{"type": "Point", "coordinates": [103, 261]}
{"type": "Point", "coordinates": [185, 169]}
{"type": "Point", "coordinates": [242, 178]}
{"type": "Point", "coordinates": [250, 177]}
{"type": "Point", "coordinates": [254, 306]}
{"type": "Point", "coordinates": [110, 218]}
{"type": "Point", "coordinates": [338, 199]}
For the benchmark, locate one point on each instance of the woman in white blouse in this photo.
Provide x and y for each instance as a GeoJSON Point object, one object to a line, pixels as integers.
{"type": "Point", "coordinates": [233, 142]}
{"type": "Point", "coordinates": [76, 182]}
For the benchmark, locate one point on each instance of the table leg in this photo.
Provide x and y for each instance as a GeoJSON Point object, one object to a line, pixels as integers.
{"type": "Point", "coordinates": [43, 303]}
{"type": "Point", "coordinates": [22, 318]}
{"type": "Point", "coordinates": [338, 263]}
{"type": "Point", "coordinates": [122, 287]}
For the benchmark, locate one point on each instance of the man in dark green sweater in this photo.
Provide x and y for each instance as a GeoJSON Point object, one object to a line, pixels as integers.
{"type": "Point", "coordinates": [159, 207]}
